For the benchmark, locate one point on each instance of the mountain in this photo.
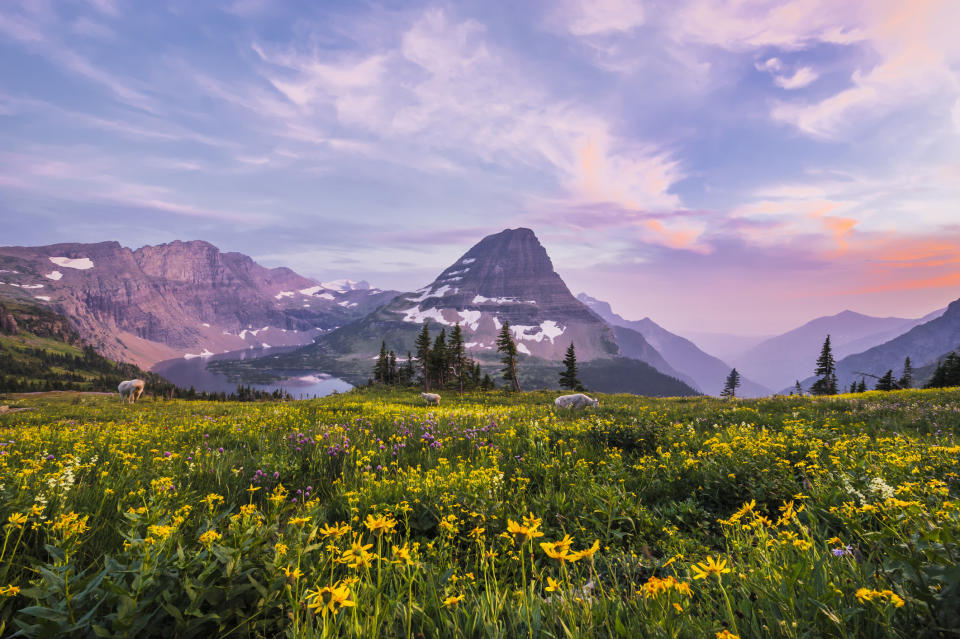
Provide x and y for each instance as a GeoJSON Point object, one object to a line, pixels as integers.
{"type": "Point", "coordinates": [781, 360]}
{"type": "Point", "coordinates": [923, 344]}
{"type": "Point", "coordinates": [725, 346]}
{"type": "Point", "coordinates": [39, 351]}
{"type": "Point", "coordinates": [669, 352]}
{"type": "Point", "coordinates": [506, 277]}
{"type": "Point", "coordinates": [177, 299]}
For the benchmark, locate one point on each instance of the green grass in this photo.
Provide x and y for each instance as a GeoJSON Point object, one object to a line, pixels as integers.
{"type": "Point", "coordinates": [835, 517]}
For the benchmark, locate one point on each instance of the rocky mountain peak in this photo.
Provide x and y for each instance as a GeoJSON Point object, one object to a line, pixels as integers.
{"type": "Point", "coordinates": [508, 277]}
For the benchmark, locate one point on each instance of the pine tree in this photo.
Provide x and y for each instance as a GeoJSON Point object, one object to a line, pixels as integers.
{"type": "Point", "coordinates": [863, 386]}
{"type": "Point", "coordinates": [906, 380]}
{"type": "Point", "coordinates": [423, 354]}
{"type": "Point", "coordinates": [568, 376]}
{"type": "Point", "coordinates": [381, 368]}
{"type": "Point", "coordinates": [798, 388]}
{"type": "Point", "coordinates": [508, 351]}
{"type": "Point", "coordinates": [457, 355]}
{"type": "Point", "coordinates": [408, 373]}
{"type": "Point", "coordinates": [392, 377]}
{"type": "Point", "coordinates": [826, 372]}
{"type": "Point", "coordinates": [886, 382]}
{"type": "Point", "coordinates": [487, 383]}
{"type": "Point", "coordinates": [730, 387]}
{"type": "Point", "coordinates": [439, 364]}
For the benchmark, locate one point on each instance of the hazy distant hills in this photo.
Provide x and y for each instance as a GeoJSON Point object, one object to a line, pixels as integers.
{"type": "Point", "coordinates": [170, 300]}
{"type": "Point", "coordinates": [780, 361]}
{"type": "Point", "coordinates": [506, 277]}
{"type": "Point", "coordinates": [676, 353]}
{"type": "Point", "coordinates": [923, 344]}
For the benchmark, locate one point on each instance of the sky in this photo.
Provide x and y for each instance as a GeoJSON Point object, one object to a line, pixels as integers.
{"type": "Point", "coordinates": [729, 166]}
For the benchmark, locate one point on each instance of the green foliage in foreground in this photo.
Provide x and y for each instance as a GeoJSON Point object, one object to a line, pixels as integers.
{"type": "Point", "coordinates": [367, 514]}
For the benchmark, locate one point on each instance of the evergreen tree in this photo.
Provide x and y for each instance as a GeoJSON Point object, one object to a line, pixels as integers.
{"type": "Point", "coordinates": [862, 388]}
{"type": "Point", "coordinates": [381, 368]}
{"type": "Point", "coordinates": [730, 387]}
{"type": "Point", "coordinates": [392, 377]}
{"type": "Point", "coordinates": [906, 380]}
{"type": "Point", "coordinates": [798, 388]}
{"type": "Point", "coordinates": [407, 373]}
{"type": "Point", "coordinates": [440, 364]}
{"type": "Point", "coordinates": [487, 383]}
{"type": "Point", "coordinates": [423, 354]}
{"type": "Point", "coordinates": [826, 372]}
{"type": "Point", "coordinates": [457, 355]}
{"type": "Point", "coordinates": [886, 382]}
{"type": "Point", "coordinates": [947, 373]}
{"type": "Point", "coordinates": [568, 376]}
{"type": "Point", "coordinates": [508, 356]}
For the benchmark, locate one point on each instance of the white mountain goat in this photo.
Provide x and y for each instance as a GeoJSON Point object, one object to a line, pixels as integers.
{"type": "Point", "coordinates": [575, 401]}
{"type": "Point", "coordinates": [131, 389]}
{"type": "Point", "coordinates": [431, 398]}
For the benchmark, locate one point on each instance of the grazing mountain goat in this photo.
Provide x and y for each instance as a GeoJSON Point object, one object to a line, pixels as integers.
{"type": "Point", "coordinates": [575, 401]}
{"type": "Point", "coordinates": [131, 390]}
{"type": "Point", "coordinates": [431, 398]}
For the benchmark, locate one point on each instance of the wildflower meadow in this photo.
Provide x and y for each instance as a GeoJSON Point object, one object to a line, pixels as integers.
{"type": "Point", "coordinates": [368, 514]}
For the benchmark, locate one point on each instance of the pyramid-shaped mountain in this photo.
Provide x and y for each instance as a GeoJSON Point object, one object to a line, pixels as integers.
{"type": "Point", "coordinates": [506, 277]}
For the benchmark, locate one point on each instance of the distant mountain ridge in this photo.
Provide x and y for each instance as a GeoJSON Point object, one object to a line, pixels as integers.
{"type": "Point", "coordinates": [923, 344]}
{"type": "Point", "coordinates": [176, 299]}
{"type": "Point", "coordinates": [506, 277]}
{"type": "Point", "coordinates": [783, 359]}
{"type": "Point", "coordinates": [706, 372]}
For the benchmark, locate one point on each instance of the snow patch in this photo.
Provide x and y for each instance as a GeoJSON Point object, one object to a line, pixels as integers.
{"type": "Point", "coordinates": [347, 304]}
{"type": "Point", "coordinates": [452, 279]}
{"type": "Point", "coordinates": [207, 325]}
{"type": "Point", "coordinates": [243, 334]}
{"type": "Point", "coordinates": [79, 263]}
{"type": "Point", "coordinates": [31, 286]}
{"type": "Point", "coordinates": [460, 272]}
{"type": "Point", "coordinates": [471, 318]}
{"type": "Point", "coordinates": [522, 348]}
{"type": "Point", "coordinates": [496, 323]}
{"type": "Point", "coordinates": [546, 330]}
{"type": "Point", "coordinates": [204, 354]}
{"type": "Point", "coordinates": [3, 270]}
{"type": "Point", "coordinates": [283, 294]}
{"type": "Point", "coordinates": [313, 290]}
{"type": "Point", "coordinates": [342, 286]}
{"type": "Point", "coordinates": [54, 275]}
{"type": "Point", "coordinates": [45, 298]}
{"type": "Point", "coordinates": [468, 260]}
{"type": "Point", "coordinates": [480, 299]}
{"type": "Point", "coordinates": [418, 316]}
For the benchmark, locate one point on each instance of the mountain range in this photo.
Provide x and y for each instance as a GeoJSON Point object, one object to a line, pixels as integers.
{"type": "Point", "coordinates": [782, 360]}
{"type": "Point", "coordinates": [506, 277]}
{"type": "Point", "coordinates": [189, 299]}
{"type": "Point", "coordinates": [178, 299]}
{"type": "Point", "coordinates": [706, 372]}
{"type": "Point", "coordinates": [924, 344]}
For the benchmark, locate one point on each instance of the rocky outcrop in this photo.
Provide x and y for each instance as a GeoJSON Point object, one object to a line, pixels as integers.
{"type": "Point", "coordinates": [169, 300]}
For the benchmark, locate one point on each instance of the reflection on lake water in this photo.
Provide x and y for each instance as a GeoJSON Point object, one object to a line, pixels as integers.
{"type": "Point", "coordinates": [193, 372]}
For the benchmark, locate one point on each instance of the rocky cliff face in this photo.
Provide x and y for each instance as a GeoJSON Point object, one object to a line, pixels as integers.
{"type": "Point", "coordinates": [182, 298]}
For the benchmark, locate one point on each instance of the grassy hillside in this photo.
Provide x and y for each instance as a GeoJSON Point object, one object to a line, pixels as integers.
{"type": "Point", "coordinates": [40, 352]}
{"type": "Point", "coordinates": [494, 515]}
